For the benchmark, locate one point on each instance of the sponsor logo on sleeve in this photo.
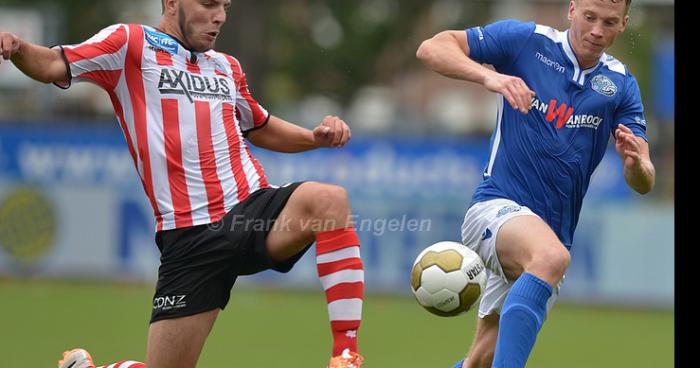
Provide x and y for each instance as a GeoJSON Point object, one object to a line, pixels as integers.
{"type": "Point", "coordinates": [640, 121]}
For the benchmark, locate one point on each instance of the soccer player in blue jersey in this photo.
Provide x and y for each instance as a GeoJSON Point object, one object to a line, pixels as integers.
{"type": "Point", "coordinates": [560, 97]}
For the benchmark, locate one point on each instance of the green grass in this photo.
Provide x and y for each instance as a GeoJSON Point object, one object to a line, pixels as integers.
{"type": "Point", "coordinates": [274, 328]}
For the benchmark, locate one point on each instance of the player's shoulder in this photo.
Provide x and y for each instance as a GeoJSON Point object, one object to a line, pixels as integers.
{"type": "Point", "coordinates": [549, 33]}
{"type": "Point", "coordinates": [614, 65]}
{"type": "Point", "coordinates": [613, 76]}
{"type": "Point", "coordinates": [224, 57]}
{"type": "Point", "coordinates": [126, 28]}
{"type": "Point", "coordinates": [228, 61]}
{"type": "Point", "coordinates": [514, 25]}
{"type": "Point", "coordinates": [220, 55]}
{"type": "Point", "coordinates": [122, 26]}
{"type": "Point", "coordinates": [616, 70]}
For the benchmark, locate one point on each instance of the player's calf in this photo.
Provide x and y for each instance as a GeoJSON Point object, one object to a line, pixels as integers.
{"type": "Point", "coordinates": [528, 247]}
{"type": "Point", "coordinates": [484, 346]}
{"type": "Point", "coordinates": [341, 273]}
{"type": "Point", "coordinates": [481, 358]}
{"type": "Point", "coordinates": [339, 268]}
{"type": "Point", "coordinates": [321, 212]}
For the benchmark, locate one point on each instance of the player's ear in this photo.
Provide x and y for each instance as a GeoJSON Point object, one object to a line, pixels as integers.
{"type": "Point", "coordinates": [572, 7]}
{"type": "Point", "coordinates": [624, 22]}
{"type": "Point", "coordinates": [170, 7]}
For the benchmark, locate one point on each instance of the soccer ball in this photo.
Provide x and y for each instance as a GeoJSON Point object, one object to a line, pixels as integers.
{"type": "Point", "coordinates": [447, 278]}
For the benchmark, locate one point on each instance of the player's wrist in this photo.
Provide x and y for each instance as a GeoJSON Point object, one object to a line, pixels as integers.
{"type": "Point", "coordinates": [485, 75]}
{"type": "Point", "coordinates": [314, 142]}
{"type": "Point", "coordinates": [20, 50]}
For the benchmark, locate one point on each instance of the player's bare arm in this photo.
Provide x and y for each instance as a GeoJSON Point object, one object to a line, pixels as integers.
{"type": "Point", "coordinates": [639, 171]}
{"type": "Point", "coordinates": [37, 62]}
{"type": "Point", "coordinates": [447, 53]}
{"type": "Point", "coordinates": [282, 136]}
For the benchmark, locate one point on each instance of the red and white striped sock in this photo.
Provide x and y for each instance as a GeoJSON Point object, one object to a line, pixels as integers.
{"type": "Point", "coordinates": [343, 278]}
{"type": "Point", "coordinates": [125, 364]}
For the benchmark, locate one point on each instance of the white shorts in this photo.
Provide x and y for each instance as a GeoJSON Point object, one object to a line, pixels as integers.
{"type": "Point", "coordinates": [479, 232]}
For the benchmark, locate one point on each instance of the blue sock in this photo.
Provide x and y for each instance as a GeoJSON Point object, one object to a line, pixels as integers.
{"type": "Point", "coordinates": [522, 316]}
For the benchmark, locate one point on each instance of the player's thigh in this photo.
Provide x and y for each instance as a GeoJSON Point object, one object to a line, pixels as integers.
{"type": "Point", "coordinates": [526, 242]}
{"type": "Point", "coordinates": [300, 218]}
{"type": "Point", "coordinates": [177, 343]}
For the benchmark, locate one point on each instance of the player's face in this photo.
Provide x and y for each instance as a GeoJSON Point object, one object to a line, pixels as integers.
{"type": "Point", "coordinates": [200, 21]}
{"type": "Point", "coordinates": [595, 24]}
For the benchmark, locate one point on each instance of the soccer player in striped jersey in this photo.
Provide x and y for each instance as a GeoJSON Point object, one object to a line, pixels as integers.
{"type": "Point", "coordinates": [187, 114]}
{"type": "Point", "coordinates": [560, 98]}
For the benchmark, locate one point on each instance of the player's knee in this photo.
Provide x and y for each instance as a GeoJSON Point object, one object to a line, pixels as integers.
{"type": "Point", "coordinates": [329, 200]}
{"type": "Point", "coordinates": [554, 261]}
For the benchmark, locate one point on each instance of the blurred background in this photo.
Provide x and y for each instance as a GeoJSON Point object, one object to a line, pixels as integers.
{"type": "Point", "coordinates": [76, 230]}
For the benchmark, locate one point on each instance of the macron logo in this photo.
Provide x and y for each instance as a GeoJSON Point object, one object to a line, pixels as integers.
{"type": "Point", "coordinates": [550, 63]}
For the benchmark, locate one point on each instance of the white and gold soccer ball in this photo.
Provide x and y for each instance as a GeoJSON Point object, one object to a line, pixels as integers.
{"type": "Point", "coordinates": [447, 278]}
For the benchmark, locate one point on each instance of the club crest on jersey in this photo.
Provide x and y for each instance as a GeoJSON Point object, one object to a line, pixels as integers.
{"type": "Point", "coordinates": [161, 41]}
{"type": "Point", "coordinates": [603, 85]}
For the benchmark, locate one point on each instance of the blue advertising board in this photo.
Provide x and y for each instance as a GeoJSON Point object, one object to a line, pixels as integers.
{"type": "Point", "coordinates": [406, 193]}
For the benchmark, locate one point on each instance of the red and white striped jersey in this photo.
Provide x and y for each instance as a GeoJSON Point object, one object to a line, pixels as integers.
{"type": "Point", "coordinates": [183, 115]}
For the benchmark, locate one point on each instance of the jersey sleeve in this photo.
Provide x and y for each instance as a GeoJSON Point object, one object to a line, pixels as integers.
{"type": "Point", "coordinates": [630, 112]}
{"type": "Point", "coordinates": [99, 60]}
{"type": "Point", "coordinates": [251, 115]}
{"type": "Point", "coordinates": [498, 43]}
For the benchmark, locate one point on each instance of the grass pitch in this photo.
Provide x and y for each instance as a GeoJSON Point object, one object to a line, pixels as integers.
{"type": "Point", "coordinates": [277, 328]}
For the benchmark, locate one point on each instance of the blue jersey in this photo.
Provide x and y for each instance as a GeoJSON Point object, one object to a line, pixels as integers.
{"type": "Point", "coordinates": [544, 160]}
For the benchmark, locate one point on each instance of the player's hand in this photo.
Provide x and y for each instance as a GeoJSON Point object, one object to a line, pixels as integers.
{"type": "Point", "coordinates": [627, 146]}
{"type": "Point", "coordinates": [9, 45]}
{"type": "Point", "coordinates": [332, 132]}
{"type": "Point", "coordinates": [514, 89]}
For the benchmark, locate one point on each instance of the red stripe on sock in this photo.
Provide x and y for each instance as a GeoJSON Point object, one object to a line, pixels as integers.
{"type": "Point", "coordinates": [346, 290]}
{"type": "Point", "coordinates": [345, 325]}
{"type": "Point", "coordinates": [325, 269]}
{"type": "Point", "coordinates": [344, 336]}
{"type": "Point", "coordinates": [330, 241]}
